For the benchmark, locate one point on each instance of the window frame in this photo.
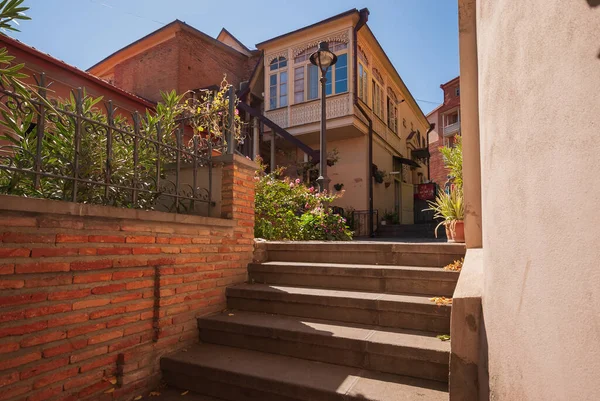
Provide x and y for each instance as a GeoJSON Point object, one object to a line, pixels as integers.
{"type": "Point", "coordinates": [302, 61]}
{"type": "Point", "coordinates": [278, 67]}
{"type": "Point", "coordinates": [363, 83]}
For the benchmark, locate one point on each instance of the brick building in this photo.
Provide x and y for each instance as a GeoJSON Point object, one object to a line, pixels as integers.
{"type": "Point", "coordinates": [447, 126]}
{"type": "Point", "coordinates": [177, 57]}
{"type": "Point", "coordinates": [62, 78]}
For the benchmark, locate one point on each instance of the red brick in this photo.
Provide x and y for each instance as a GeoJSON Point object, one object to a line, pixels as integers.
{"type": "Point", "coordinates": [91, 278]}
{"type": "Point", "coordinates": [62, 238]}
{"type": "Point", "coordinates": [90, 303]}
{"type": "Point", "coordinates": [124, 343]}
{"type": "Point", "coordinates": [55, 377]}
{"type": "Point", "coordinates": [122, 320]}
{"type": "Point", "coordinates": [24, 238]}
{"type": "Point", "coordinates": [8, 378]}
{"type": "Point", "coordinates": [104, 225]}
{"type": "Point", "coordinates": [170, 249]}
{"type": "Point", "coordinates": [113, 239]}
{"type": "Point", "coordinates": [47, 310]}
{"type": "Point", "coordinates": [95, 388]}
{"type": "Point", "coordinates": [125, 297]}
{"type": "Point", "coordinates": [19, 221]}
{"type": "Point", "coordinates": [69, 294]}
{"type": "Point", "coordinates": [134, 273]}
{"type": "Point", "coordinates": [140, 305]}
{"type": "Point", "coordinates": [11, 284]}
{"type": "Point", "coordinates": [161, 261]}
{"type": "Point", "coordinates": [43, 367]}
{"type": "Point", "coordinates": [89, 353]}
{"type": "Point", "coordinates": [43, 338]}
{"type": "Point", "coordinates": [9, 347]}
{"type": "Point", "coordinates": [114, 251]}
{"type": "Point", "coordinates": [14, 252]}
{"type": "Point", "coordinates": [29, 298]}
{"type": "Point", "coordinates": [7, 268]}
{"type": "Point", "coordinates": [186, 288]}
{"type": "Point", "coordinates": [80, 380]}
{"type": "Point", "coordinates": [68, 319]}
{"type": "Point", "coordinates": [162, 240]}
{"type": "Point", "coordinates": [140, 239]}
{"type": "Point", "coordinates": [48, 281]}
{"type": "Point", "coordinates": [92, 265]}
{"type": "Point", "coordinates": [137, 328]}
{"type": "Point", "coordinates": [88, 328]}
{"type": "Point", "coordinates": [15, 391]}
{"type": "Point", "coordinates": [46, 393]}
{"type": "Point", "coordinates": [106, 289]}
{"type": "Point", "coordinates": [50, 252]}
{"type": "Point", "coordinates": [109, 360]}
{"type": "Point", "coordinates": [100, 338]}
{"type": "Point", "coordinates": [62, 222]}
{"type": "Point", "coordinates": [67, 347]}
{"type": "Point", "coordinates": [107, 312]}
{"type": "Point", "coordinates": [180, 240]}
{"type": "Point", "coordinates": [131, 262]}
{"type": "Point", "coordinates": [21, 360]}
{"type": "Point", "coordinates": [170, 280]}
{"type": "Point", "coordinates": [42, 267]}
{"type": "Point", "coordinates": [134, 285]}
{"type": "Point", "coordinates": [87, 251]}
{"type": "Point", "coordinates": [146, 251]}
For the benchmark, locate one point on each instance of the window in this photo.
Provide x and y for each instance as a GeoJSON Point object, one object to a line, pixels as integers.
{"type": "Point", "coordinates": [313, 82]}
{"type": "Point", "coordinates": [298, 84]}
{"type": "Point", "coordinates": [449, 141]}
{"type": "Point", "coordinates": [392, 110]}
{"type": "Point", "coordinates": [341, 74]}
{"type": "Point", "coordinates": [457, 91]}
{"type": "Point", "coordinates": [278, 83]}
{"type": "Point", "coordinates": [307, 76]}
{"type": "Point", "coordinates": [377, 99]}
{"type": "Point", "coordinates": [363, 81]}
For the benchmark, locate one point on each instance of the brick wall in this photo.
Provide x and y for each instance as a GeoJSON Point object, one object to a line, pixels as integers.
{"type": "Point", "coordinates": [92, 296]}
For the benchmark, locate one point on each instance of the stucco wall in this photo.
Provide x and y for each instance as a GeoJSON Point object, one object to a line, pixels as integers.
{"type": "Point", "coordinates": [539, 80]}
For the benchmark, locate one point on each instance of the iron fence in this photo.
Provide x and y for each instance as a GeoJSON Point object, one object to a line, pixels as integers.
{"type": "Point", "coordinates": [358, 221]}
{"type": "Point", "coordinates": [80, 150]}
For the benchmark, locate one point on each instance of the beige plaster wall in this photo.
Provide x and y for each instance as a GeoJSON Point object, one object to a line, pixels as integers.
{"type": "Point", "coordinates": [539, 98]}
{"type": "Point", "coordinates": [383, 198]}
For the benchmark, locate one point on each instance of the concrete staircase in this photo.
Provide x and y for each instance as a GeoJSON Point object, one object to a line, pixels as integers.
{"type": "Point", "coordinates": [310, 325]}
{"type": "Point", "coordinates": [411, 231]}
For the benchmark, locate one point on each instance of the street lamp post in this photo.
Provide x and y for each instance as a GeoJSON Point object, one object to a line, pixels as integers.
{"type": "Point", "coordinates": [323, 58]}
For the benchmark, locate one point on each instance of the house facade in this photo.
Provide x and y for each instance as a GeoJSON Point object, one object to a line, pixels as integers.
{"type": "Point", "coordinates": [363, 90]}
{"type": "Point", "coordinates": [446, 118]}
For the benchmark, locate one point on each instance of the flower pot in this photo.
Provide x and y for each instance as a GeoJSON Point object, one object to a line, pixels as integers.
{"type": "Point", "coordinates": [448, 232]}
{"type": "Point", "coordinates": [458, 231]}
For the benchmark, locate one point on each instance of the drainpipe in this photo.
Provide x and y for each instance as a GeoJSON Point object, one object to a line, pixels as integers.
{"type": "Point", "coordinates": [362, 20]}
{"type": "Point", "coordinates": [431, 128]}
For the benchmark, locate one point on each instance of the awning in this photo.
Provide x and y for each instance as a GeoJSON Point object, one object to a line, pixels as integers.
{"type": "Point", "coordinates": [406, 161]}
{"type": "Point", "coordinates": [421, 153]}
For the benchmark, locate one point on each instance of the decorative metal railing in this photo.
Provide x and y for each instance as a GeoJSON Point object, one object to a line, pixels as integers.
{"type": "Point", "coordinates": [81, 151]}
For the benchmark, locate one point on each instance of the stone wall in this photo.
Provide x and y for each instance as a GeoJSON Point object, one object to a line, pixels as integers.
{"type": "Point", "coordinates": [92, 296]}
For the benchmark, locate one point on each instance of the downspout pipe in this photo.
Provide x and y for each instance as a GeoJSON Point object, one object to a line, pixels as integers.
{"type": "Point", "coordinates": [362, 20]}
{"type": "Point", "coordinates": [431, 128]}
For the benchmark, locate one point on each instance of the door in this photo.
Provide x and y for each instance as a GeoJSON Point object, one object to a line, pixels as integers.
{"type": "Point", "coordinates": [408, 204]}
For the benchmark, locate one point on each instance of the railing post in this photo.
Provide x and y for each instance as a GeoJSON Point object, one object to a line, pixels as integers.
{"type": "Point", "coordinates": [78, 94]}
{"type": "Point", "coordinates": [178, 135]}
{"type": "Point", "coordinates": [41, 120]}
{"type": "Point", "coordinates": [231, 123]}
{"type": "Point", "coordinates": [110, 113]}
{"type": "Point", "coordinates": [136, 142]}
{"type": "Point", "coordinates": [158, 142]}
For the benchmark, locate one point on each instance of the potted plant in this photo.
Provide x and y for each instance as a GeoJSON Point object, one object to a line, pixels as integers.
{"type": "Point", "coordinates": [450, 208]}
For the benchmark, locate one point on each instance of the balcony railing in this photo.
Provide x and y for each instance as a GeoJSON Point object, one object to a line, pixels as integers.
{"type": "Point", "coordinates": [310, 112]}
{"type": "Point", "coordinates": [452, 128]}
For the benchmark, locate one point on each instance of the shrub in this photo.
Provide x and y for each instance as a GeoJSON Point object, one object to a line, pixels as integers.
{"type": "Point", "coordinates": [286, 209]}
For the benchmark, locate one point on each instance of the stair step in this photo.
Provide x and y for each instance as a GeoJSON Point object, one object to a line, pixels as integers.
{"type": "Point", "coordinates": [173, 394]}
{"type": "Point", "coordinates": [389, 310]}
{"type": "Point", "coordinates": [238, 374]}
{"type": "Point", "coordinates": [433, 254]}
{"type": "Point", "coordinates": [360, 277]}
{"type": "Point", "coordinates": [403, 352]}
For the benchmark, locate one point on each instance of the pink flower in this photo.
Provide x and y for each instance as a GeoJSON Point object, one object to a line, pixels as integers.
{"type": "Point", "coordinates": [291, 185]}
{"type": "Point", "coordinates": [311, 189]}
{"type": "Point", "coordinates": [297, 180]}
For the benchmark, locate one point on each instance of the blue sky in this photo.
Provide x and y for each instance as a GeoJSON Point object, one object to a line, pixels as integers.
{"type": "Point", "coordinates": [419, 36]}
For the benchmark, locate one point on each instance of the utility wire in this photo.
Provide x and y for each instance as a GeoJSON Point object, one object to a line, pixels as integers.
{"type": "Point", "coordinates": [127, 12]}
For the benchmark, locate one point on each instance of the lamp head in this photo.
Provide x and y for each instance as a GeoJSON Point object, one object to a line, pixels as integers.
{"type": "Point", "coordinates": [323, 57]}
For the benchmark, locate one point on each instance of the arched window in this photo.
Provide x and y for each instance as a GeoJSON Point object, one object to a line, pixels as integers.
{"type": "Point", "coordinates": [278, 83]}
{"type": "Point", "coordinates": [277, 63]}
